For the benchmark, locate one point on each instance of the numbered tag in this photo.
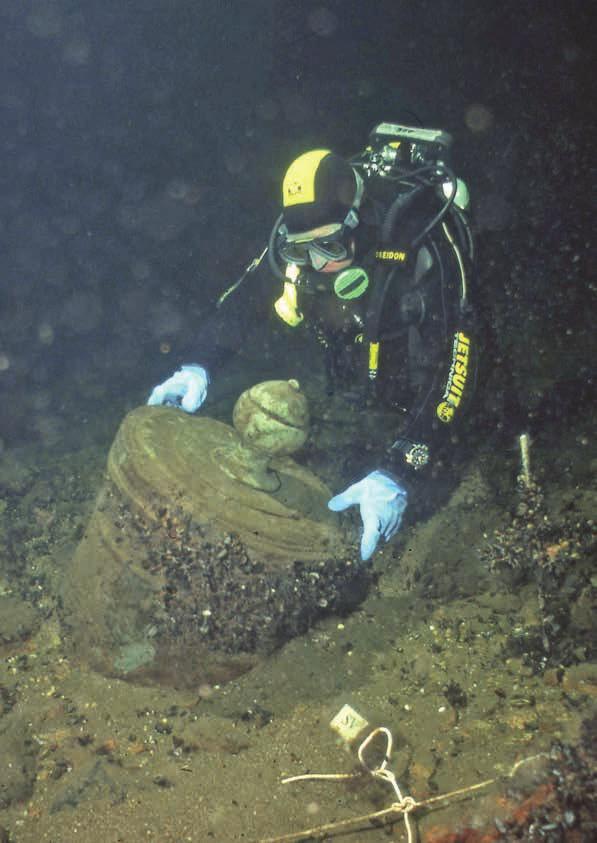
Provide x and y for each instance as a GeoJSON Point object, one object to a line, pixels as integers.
{"type": "Point", "coordinates": [348, 723]}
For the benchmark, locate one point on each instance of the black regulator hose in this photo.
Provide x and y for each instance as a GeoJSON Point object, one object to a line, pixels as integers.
{"type": "Point", "coordinates": [271, 251]}
{"type": "Point", "coordinates": [398, 206]}
{"type": "Point", "coordinates": [444, 209]}
{"type": "Point", "coordinates": [404, 200]}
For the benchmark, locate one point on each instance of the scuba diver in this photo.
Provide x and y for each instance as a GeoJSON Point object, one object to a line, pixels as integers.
{"type": "Point", "coordinates": [374, 255]}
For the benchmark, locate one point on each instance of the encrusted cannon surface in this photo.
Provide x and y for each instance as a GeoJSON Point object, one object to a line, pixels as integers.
{"type": "Point", "coordinates": [207, 547]}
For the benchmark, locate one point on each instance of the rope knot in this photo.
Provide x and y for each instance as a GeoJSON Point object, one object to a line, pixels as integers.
{"type": "Point", "coordinates": [407, 805]}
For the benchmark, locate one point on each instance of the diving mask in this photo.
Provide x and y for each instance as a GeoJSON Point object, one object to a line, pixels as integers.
{"type": "Point", "coordinates": [315, 253]}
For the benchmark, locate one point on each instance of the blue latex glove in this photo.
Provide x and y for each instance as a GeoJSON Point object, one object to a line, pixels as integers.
{"type": "Point", "coordinates": [186, 389]}
{"type": "Point", "coordinates": [382, 502]}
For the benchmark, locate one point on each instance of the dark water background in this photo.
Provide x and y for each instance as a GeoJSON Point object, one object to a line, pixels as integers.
{"type": "Point", "coordinates": [142, 149]}
{"type": "Point", "coordinates": [142, 146]}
